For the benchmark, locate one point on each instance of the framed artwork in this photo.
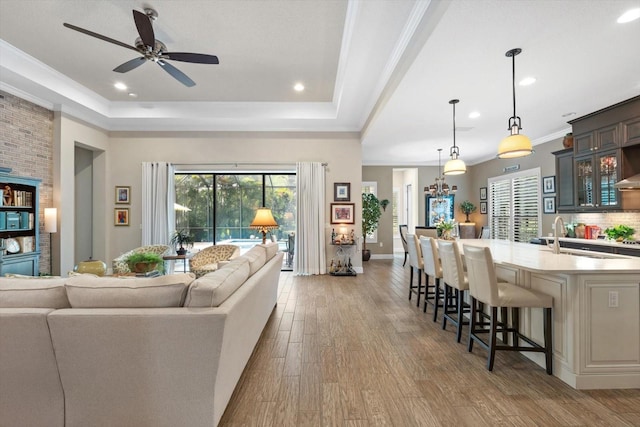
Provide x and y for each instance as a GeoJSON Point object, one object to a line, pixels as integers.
{"type": "Point", "coordinates": [342, 192]}
{"type": "Point", "coordinates": [342, 213]}
{"type": "Point", "coordinates": [483, 208]}
{"type": "Point", "coordinates": [549, 184]}
{"type": "Point", "coordinates": [483, 193]}
{"type": "Point", "coordinates": [121, 216]}
{"type": "Point", "coordinates": [438, 210]}
{"type": "Point", "coordinates": [549, 205]}
{"type": "Point", "coordinates": [123, 195]}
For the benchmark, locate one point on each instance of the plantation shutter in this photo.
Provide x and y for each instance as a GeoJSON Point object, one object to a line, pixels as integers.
{"type": "Point", "coordinates": [515, 206]}
{"type": "Point", "coordinates": [525, 208]}
{"type": "Point", "coordinates": [500, 201]}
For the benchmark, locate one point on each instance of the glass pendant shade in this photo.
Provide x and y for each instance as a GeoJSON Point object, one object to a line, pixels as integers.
{"type": "Point", "coordinates": [454, 167]}
{"type": "Point", "coordinates": [513, 146]}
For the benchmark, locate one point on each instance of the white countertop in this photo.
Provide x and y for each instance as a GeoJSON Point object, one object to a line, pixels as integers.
{"type": "Point", "coordinates": [540, 258]}
{"type": "Point", "coordinates": [599, 242]}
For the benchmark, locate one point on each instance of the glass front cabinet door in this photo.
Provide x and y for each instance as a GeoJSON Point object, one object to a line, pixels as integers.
{"type": "Point", "coordinates": [595, 177]}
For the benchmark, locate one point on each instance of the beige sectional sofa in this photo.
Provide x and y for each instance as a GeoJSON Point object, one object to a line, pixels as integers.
{"type": "Point", "coordinates": [165, 351]}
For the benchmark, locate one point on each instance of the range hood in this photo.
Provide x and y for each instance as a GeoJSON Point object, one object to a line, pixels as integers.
{"type": "Point", "coordinates": [631, 183]}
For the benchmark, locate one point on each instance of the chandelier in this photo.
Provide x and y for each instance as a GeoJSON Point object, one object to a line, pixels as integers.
{"type": "Point", "coordinates": [440, 189]}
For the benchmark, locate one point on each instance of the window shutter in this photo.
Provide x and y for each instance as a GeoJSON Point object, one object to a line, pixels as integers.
{"type": "Point", "coordinates": [515, 206]}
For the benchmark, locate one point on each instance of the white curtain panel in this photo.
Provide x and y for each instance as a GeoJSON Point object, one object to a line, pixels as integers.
{"type": "Point", "coordinates": [158, 199]}
{"type": "Point", "coordinates": [310, 257]}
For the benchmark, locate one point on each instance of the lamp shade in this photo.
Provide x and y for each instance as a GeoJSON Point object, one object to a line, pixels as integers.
{"type": "Point", "coordinates": [454, 167]}
{"type": "Point", "coordinates": [50, 220]}
{"type": "Point", "coordinates": [513, 146]}
{"type": "Point", "coordinates": [264, 222]}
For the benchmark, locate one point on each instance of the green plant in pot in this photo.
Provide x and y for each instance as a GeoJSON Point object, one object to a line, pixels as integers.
{"type": "Point", "coordinates": [371, 214]}
{"type": "Point", "coordinates": [467, 208]}
{"type": "Point", "coordinates": [144, 262]}
{"type": "Point", "coordinates": [182, 240]}
{"type": "Point", "coordinates": [444, 229]}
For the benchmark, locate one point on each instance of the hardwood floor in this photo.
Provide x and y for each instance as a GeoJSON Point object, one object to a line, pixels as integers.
{"type": "Point", "coordinates": [354, 351]}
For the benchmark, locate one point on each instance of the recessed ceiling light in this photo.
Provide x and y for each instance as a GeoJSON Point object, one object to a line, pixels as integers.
{"type": "Point", "coordinates": [569, 114]}
{"type": "Point", "coordinates": [120, 86]}
{"type": "Point", "coordinates": [133, 95]}
{"type": "Point", "coordinates": [474, 115]}
{"type": "Point", "coordinates": [527, 81]}
{"type": "Point", "coordinates": [298, 87]}
{"type": "Point", "coordinates": [629, 15]}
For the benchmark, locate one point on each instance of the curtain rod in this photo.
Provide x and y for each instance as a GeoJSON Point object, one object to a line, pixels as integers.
{"type": "Point", "coordinates": [236, 164]}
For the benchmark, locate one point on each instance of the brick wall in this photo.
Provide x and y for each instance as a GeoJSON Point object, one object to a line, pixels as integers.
{"type": "Point", "coordinates": [26, 146]}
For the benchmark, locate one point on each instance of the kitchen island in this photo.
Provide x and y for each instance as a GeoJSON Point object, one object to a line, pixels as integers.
{"type": "Point", "coordinates": [596, 310]}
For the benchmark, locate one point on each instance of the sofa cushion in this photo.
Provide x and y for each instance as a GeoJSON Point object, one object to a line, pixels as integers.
{"type": "Point", "coordinates": [33, 293]}
{"type": "Point", "coordinates": [271, 250]}
{"type": "Point", "coordinates": [214, 288]}
{"type": "Point", "coordinates": [123, 292]}
{"type": "Point", "coordinates": [256, 256]}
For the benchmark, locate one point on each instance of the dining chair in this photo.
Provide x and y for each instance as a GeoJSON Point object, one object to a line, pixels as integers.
{"type": "Point", "coordinates": [433, 269]}
{"type": "Point", "coordinates": [416, 263]}
{"type": "Point", "coordinates": [484, 287]}
{"type": "Point", "coordinates": [404, 229]}
{"type": "Point", "coordinates": [455, 279]}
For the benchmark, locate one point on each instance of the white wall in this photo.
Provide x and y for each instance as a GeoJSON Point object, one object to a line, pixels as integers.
{"type": "Point", "coordinates": [342, 152]}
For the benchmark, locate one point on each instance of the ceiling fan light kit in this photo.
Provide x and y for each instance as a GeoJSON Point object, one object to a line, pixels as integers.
{"type": "Point", "coordinates": [152, 49]}
{"type": "Point", "coordinates": [516, 144]}
{"type": "Point", "coordinates": [455, 166]}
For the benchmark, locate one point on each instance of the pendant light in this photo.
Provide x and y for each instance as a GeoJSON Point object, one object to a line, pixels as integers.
{"type": "Point", "coordinates": [455, 166]}
{"type": "Point", "coordinates": [516, 144]}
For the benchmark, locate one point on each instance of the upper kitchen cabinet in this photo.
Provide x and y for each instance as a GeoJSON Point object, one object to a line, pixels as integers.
{"type": "Point", "coordinates": [631, 132]}
{"type": "Point", "coordinates": [596, 140]}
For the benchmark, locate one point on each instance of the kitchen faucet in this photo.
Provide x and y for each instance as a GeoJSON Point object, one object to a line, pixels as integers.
{"type": "Point", "coordinates": [556, 240]}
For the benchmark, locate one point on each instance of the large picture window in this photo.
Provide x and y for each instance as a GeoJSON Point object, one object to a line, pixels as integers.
{"type": "Point", "coordinates": [514, 206]}
{"type": "Point", "coordinates": [218, 208]}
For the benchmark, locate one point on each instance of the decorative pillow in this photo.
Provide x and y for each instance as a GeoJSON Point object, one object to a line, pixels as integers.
{"type": "Point", "coordinates": [256, 256]}
{"type": "Point", "coordinates": [214, 288]}
{"type": "Point", "coordinates": [115, 292]}
{"type": "Point", "coordinates": [271, 250]}
{"type": "Point", "coordinates": [33, 293]}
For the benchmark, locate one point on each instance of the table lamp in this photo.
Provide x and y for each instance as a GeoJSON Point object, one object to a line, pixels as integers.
{"type": "Point", "coordinates": [264, 222]}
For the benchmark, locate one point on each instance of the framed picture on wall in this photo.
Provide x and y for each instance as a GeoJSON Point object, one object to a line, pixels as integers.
{"type": "Point", "coordinates": [438, 210]}
{"type": "Point", "coordinates": [342, 192]}
{"type": "Point", "coordinates": [549, 184]}
{"type": "Point", "coordinates": [123, 195]}
{"type": "Point", "coordinates": [483, 208]}
{"type": "Point", "coordinates": [549, 205]}
{"type": "Point", "coordinates": [121, 216]}
{"type": "Point", "coordinates": [483, 193]}
{"type": "Point", "coordinates": [342, 213]}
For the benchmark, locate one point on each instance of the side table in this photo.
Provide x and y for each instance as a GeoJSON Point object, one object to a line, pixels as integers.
{"type": "Point", "coordinates": [174, 258]}
{"type": "Point", "coordinates": [467, 230]}
{"type": "Point", "coordinates": [341, 264]}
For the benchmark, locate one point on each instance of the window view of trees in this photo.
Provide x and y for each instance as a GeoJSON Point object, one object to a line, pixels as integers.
{"type": "Point", "coordinates": [218, 207]}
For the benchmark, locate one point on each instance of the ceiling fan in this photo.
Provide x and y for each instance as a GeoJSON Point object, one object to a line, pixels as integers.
{"type": "Point", "coordinates": [152, 49]}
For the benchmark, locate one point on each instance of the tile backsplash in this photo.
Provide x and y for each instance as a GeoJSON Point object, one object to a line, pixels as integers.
{"type": "Point", "coordinates": [606, 220]}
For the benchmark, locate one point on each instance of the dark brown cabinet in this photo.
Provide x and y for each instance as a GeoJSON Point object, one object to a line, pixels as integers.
{"type": "Point", "coordinates": [631, 132]}
{"type": "Point", "coordinates": [565, 178]}
{"type": "Point", "coordinates": [595, 176]}
{"type": "Point", "coordinates": [601, 139]}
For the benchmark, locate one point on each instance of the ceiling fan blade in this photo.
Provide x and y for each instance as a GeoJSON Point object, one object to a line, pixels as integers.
{"type": "Point", "coordinates": [145, 29]}
{"type": "Point", "coordinates": [130, 65]}
{"type": "Point", "coordinates": [198, 58]}
{"type": "Point", "coordinates": [177, 74]}
{"type": "Point", "coordinates": [99, 36]}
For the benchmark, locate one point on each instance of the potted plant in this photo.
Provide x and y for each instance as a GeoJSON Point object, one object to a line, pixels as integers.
{"type": "Point", "coordinates": [144, 262]}
{"type": "Point", "coordinates": [444, 229]}
{"type": "Point", "coordinates": [619, 232]}
{"type": "Point", "coordinates": [182, 240]}
{"type": "Point", "coordinates": [370, 216]}
{"type": "Point", "coordinates": [467, 208]}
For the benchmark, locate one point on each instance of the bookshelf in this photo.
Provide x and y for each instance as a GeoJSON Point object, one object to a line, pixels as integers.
{"type": "Point", "coordinates": [19, 225]}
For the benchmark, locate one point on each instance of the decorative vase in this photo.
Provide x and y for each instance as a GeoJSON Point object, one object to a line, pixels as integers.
{"type": "Point", "coordinates": [567, 142]}
{"type": "Point", "coordinates": [181, 251]}
{"type": "Point", "coordinates": [144, 267]}
{"type": "Point", "coordinates": [366, 255]}
{"type": "Point", "coordinates": [92, 266]}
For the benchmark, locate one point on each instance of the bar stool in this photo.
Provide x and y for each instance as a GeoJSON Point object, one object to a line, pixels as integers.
{"type": "Point", "coordinates": [432, 268]}
{"type": "Point", "coordinates": [454, 278]}
{"type": "Point", "coordinates": [484, 287]}
{"type": "Point", "coordinates": [415, 262]}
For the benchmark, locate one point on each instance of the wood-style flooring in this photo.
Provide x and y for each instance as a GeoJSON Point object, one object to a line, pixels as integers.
{"type": "Point", "coordinates": [354, 351]}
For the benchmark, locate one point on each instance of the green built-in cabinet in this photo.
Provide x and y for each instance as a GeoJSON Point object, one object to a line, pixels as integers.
{"type": "Point", "coordinates": [19, 225]}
